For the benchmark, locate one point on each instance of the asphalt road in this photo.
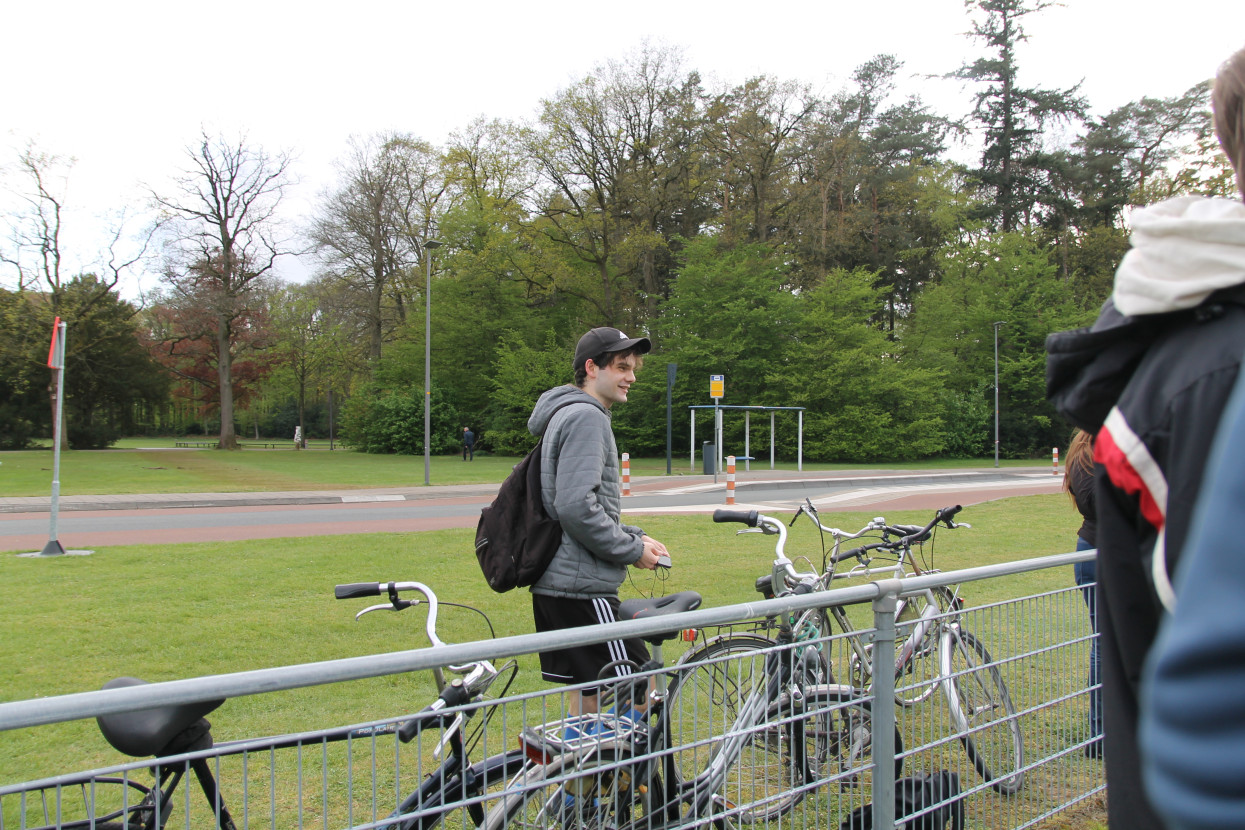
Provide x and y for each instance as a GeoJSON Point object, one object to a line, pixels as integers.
{"type": "Point", "coordinates": [175, 518]}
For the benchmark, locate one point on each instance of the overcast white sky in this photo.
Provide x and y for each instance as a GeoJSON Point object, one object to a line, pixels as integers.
{"type": "Point", "coordinates": [124, 86]}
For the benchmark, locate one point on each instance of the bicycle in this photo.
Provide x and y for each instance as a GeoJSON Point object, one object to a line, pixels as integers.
{"type": "Point", "coordinates": [180, 739]}
{"type": "Point", "coordinates": [953, 659]}
{"type": "Point", "coordinates": [625, 769]}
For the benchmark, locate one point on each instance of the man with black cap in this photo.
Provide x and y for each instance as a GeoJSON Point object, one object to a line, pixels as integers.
{"type": "Point", "coordinates": [581, 488]}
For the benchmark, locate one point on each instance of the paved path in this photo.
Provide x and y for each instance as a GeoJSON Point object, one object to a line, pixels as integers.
{"type": "Point", "coordinates": [99, 521]}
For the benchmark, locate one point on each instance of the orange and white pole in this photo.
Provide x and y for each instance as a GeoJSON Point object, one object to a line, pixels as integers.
{"type": "Point", "coordinates": [1054, 460]}
{"type": "Point", "coordinates": [626, 473]}
{"type": "Point", "coordinates": [730, 479]}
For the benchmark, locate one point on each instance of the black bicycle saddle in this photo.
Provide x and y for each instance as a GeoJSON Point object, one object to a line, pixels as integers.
{"type": "Point", "coordinates": [643, 609]}
{"type": "Point", "coordinates": [157, 731]}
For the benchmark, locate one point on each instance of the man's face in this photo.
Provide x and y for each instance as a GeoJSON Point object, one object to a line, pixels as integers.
{"type": "Point", "coordinates": [610, 384]}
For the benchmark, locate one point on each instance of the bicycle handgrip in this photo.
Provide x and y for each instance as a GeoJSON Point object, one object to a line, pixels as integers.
{"type": "Point", "coordinates": [747, 517]}
{"type": "Point", "coordinates": [848, 554]}
{"type": "Point", "coordinates": [454, 695]}
{"type": "Point", "coordinates": [946, 513]}
{"type": "Point", "coordinates": [357, 589]}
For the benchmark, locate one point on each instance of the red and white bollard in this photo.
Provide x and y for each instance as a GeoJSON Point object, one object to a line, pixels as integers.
{"type": "Point", "coordinates": [730, 479]}
{"type": "Point", "coordinates": [626, 473]}
{"type": "Point", "coordinates": [1054, 460]}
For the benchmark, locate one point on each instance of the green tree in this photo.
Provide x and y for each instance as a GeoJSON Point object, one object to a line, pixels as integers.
{"type": "Point", "coordinates": [865, 400]}
{"type": "Point", "coordinates": [24, 411]}
{"type": "Point", "coordinates": [1015, 166]}
{"type": "Point", "coordinates": [731, 312]}
{"type": "Point", "coordinates": [32, 253]}
{"type": "Point", "coordinates": [865, 179]}
{"type": "Point", "coordinates": [385, 414]}
{"type": "Point", "coordinates": [1010, 279]}
{"type": "Point", "coordinates": [522, 374]}
{"type": "Point", "coordinates": [110, 379]}
{"type": "Point", "coordinates": [111, 384]}
{"type": "Point", "coordinates": [752, 144]}
{"type": "Point", "coordinates": [616, 155]}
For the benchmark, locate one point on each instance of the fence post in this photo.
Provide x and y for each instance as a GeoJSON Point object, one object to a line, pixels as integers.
{"type": "Point", "coordinates": [626, 473]}
{"type": "Point", "coordinates": [730, 479]}
{"type": "Point", "coordinates": [883, 740]}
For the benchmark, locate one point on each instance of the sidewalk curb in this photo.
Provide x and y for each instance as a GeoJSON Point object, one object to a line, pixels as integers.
{"type": "Point", "coordinates": [753, 480]}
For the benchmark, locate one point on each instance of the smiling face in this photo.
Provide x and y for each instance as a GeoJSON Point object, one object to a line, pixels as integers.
{"type": "Point", "coordinates": [610, 384]}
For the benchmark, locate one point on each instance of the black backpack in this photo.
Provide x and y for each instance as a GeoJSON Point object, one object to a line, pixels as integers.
{"type": "Point", "coordinates": [914, 794]}
{"type": "Point", "coordinates": [515, 538]}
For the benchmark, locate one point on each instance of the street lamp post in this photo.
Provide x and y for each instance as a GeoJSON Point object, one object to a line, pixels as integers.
{"type": "Point", "coordinates": [996, 392]}
{"type": "Point", "coordinates": [429, 245]}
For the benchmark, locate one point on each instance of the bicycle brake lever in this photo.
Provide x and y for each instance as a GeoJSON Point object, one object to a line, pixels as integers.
{"type": "Point", "coordinates": [799, 512]}
{"type": "Point", "coordinates": [400, 605]}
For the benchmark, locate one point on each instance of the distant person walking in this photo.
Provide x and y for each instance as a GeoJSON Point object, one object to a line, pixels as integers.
{"type": "Point", "coordinates": [469, 444]}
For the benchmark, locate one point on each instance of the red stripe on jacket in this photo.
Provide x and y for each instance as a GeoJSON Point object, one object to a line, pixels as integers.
{"type": "Point", "coordinates": [1125, 476]}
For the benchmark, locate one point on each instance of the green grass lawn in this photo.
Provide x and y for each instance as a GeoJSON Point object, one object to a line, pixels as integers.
{"type": "Point", "coordinates": [164, 612]}
{"type": "Point", "coordinates": [152, 466]}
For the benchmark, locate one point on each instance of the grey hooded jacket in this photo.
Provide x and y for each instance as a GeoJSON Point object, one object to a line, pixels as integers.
{"type": "Point", "coordinates": [581, 488]}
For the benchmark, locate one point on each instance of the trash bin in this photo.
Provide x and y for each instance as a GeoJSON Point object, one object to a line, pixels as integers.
{"type": "Point", "coordinates": [710, 453]}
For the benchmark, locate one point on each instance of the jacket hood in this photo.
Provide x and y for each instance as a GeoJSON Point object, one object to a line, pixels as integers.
{"type": "Point", "coordinates": [1087, 369]}
{"type": "Point", "coordinates": [1183, 249]}
{"type": "Point", "coordinates": [551, 400]}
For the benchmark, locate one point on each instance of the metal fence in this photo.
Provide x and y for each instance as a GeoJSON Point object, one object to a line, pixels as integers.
{"type": "Point", "coordinates": [360, 776]}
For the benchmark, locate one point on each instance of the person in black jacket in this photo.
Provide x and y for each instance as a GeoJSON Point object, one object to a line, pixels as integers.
{"type": "Point", "coordinates": [1150, 379]}
{"type": "Point", "coordinates": [1078, 481]}
{"type": "Point", "coordinates": [1193, 712]}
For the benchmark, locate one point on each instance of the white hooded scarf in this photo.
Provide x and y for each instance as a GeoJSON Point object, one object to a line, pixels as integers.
{"type": "Point", "coordinates": [1183, 249]}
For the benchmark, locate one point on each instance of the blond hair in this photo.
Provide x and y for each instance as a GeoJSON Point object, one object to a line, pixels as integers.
{"type": "Point", "coordinates": [1228, 104]}
{"type": "Point", "coordinates": [1080, 458]}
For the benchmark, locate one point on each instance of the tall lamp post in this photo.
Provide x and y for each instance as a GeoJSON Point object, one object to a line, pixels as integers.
{"type": "Point", "coordinates": [996, 391]}
{"type": "Point", "coordinates": [429, 245]}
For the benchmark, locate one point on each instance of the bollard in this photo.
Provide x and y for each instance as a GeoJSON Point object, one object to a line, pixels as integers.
{"type": "Point", "coordinates": [730, 479]}
{"type": "Point", "coordinates": [1054, 461]}
{"type": "Point", "coordinates": [626, 473]}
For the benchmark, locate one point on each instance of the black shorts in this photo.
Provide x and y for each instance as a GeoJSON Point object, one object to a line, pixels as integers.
{"type": "Point", "coordinates": [583, 664]}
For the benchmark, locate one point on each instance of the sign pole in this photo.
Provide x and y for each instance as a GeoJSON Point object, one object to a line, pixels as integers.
{"type": "Point", "coordinates": [56, 360]}
{"type": "Point", "coordinates": [717, 390]}
{"type": "Point", "coordinates": [671, 370]}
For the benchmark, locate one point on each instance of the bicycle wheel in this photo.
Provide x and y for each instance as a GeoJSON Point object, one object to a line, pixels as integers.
{"type": "Point", "coordinates": [838, 737]}
{"type": "Point", "coordinates": [916, 678]}
{"type": "Point", "coordinates": [982, 710]}
{"type": "Point", "coordinates": [106, 802]}
{"type": "Point", "coordinates": [593, 793]}
{"type": "Point", "coordinates": [482, 787]}
{"type": "Point", "coordinates": [705, 699]}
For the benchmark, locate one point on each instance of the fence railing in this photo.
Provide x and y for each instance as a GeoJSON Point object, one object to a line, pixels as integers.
{"type": "Point", "coordinates": [359, 776]}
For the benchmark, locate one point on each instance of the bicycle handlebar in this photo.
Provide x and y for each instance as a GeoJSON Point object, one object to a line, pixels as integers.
{"type": "Point", "coordinates": [910, 533]}
{"type": "Point", "coordinates": [396, 603]}
{"type": "Point", "coordinates": [784, 570]}
{"type": "Point", "coordinates": [860, 552]}
{"type": "Point", "coordinates": [478, 676]}
{"type": "Point", "coordinates": [807, 508]}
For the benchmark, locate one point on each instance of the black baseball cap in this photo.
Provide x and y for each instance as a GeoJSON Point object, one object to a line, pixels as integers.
{"type": "Point", "coordinates": [603, 340]}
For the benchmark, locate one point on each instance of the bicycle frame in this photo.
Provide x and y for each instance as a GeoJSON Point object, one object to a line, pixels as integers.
{"type": "Point", "coordinates": [453, 782]}
{"type": "Point", "coordinates": [651, 746]}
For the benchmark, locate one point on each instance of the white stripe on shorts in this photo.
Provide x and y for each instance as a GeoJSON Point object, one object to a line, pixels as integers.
{"type": "Point", "coordinates": [618, 651]}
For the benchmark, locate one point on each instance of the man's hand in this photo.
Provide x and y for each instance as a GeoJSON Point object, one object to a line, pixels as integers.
{"type": "Point", "coordinates": [652, 550]}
